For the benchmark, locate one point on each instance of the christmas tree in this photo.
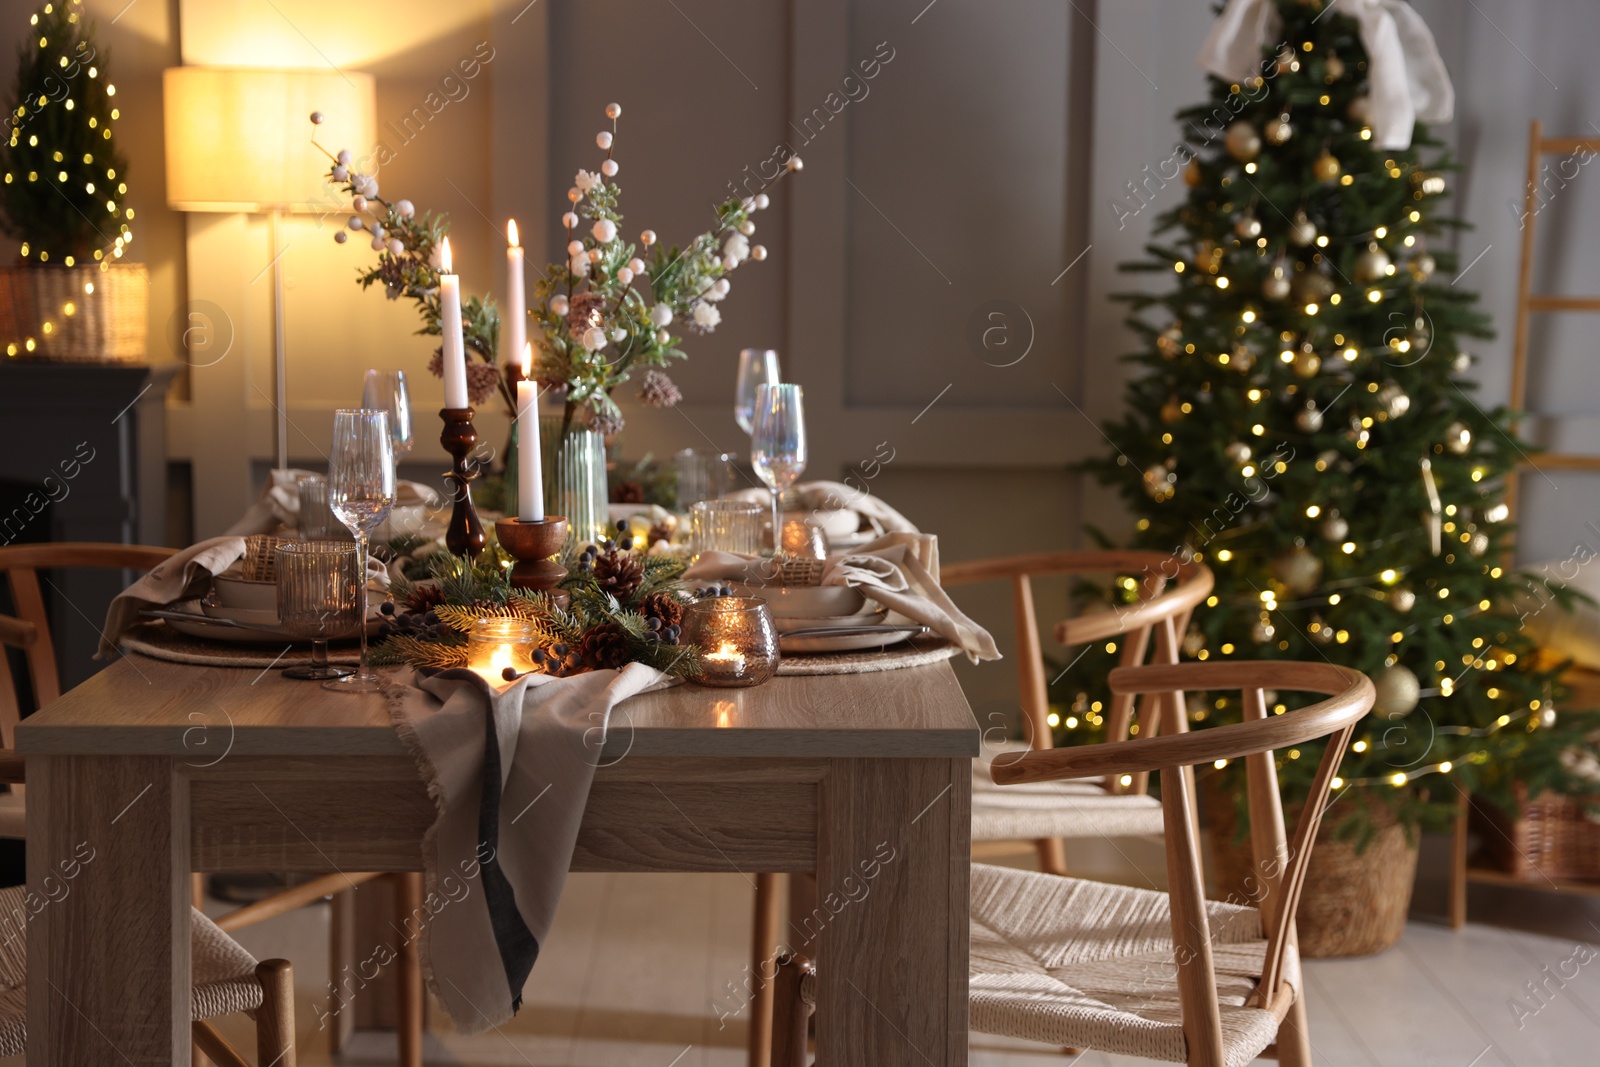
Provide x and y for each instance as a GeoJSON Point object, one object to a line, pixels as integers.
{"type": "Point", "coordinates": [64, 179]}
{"type": "Point", "coordinates": [1302, 422]}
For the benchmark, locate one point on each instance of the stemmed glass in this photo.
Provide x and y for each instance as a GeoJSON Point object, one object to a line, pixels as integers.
{"type": "Point", "coordinates": [778, 445]}
{"type": "Point", "coordinates": [385, 390]}
{"type": "Point", "coordinates": [757, 367]}
{"type": "Point", "coordinates": [361, 495]}
{"type": "Point", "coordinates": [318, 597]}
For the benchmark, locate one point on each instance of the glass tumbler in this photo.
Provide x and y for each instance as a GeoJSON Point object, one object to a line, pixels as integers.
{"type": "Point", "coordinates": [316, 518]}
{"type": "Point", "coordinates": [726, 526]}
{"type": "Point", "coordinates": [319, 597]}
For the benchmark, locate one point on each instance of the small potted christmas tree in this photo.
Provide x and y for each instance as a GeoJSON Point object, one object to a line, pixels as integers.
{"type": "Point", "coordinates": [70, 296]}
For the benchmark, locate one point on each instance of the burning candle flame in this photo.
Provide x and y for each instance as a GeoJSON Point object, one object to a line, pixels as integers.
{"type": "Point", "coordinates": [527, 360]}
{"type": "Point", "coordinates": [444, 256]}
{"type": "Point", "coordinates": [511, 232]}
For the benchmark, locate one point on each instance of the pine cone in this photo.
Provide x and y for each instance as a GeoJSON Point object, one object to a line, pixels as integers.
{"type": "Point", "coordinates": [627, 493]}
{"type": "Point", "coordinates": [585, 310]}
{"type": "Point", "coordinates": [664, 607]}
{"type": "Point", "coordinates": [618, 573]}
{"type": "Point", "coordinates": [424, 598]}
{"type": "Point", "coordinates": [604, 645]}
{"type": "Point", "coordinates": [661, 531]}
{"type": "Point", "coordinates": [659, 391]}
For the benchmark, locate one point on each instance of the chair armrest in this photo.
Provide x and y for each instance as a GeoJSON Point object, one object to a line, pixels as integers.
{"type": "Point", "coordinates": [1352, 697]}
{"type": "Point", "coordinates": [11, 767]}
{"type": "Point", "coordinates": [18, 633]}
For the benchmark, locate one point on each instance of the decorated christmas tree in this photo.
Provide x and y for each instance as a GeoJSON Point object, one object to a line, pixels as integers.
{"type": "Point", "coordinates": [1303, 421]}
{"type": "Point", "coordinates": [64, 179]}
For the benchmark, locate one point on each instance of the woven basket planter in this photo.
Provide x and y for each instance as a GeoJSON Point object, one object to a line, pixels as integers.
{"type": "Point", "coordinates": [1550, 837]}
{"type": "Point", "coordinates": [1353, 904]}
{"type": "Point", "coordinates": [76, 314]}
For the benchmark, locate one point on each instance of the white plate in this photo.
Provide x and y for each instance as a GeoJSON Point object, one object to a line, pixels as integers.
{"type": "Point", "coordinates": [214, 630]}
{"type": "Point", "coordinates": [805, 601]}
{"type": "Point", "coordinates": [842, 643]}
{"type": "Point", "coordinates": [864, 617]}
{"type": "Point", "coordinates": [229, 590]}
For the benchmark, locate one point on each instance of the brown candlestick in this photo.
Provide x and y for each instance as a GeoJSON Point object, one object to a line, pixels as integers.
{"type": "Point", "coordinates": [464, 536]}
{"type": "Point", "coordinates": [531, 544]}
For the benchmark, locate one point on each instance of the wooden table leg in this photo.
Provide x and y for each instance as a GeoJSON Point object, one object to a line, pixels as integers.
{"type": "Point", "coordinates": [408, 967]}
{"type": "Point", "coordinates": [108, 950]}
{"type": "Point", "coordinates": [892, 878]}
{"type": "Point", "coordinates": [763, 951]}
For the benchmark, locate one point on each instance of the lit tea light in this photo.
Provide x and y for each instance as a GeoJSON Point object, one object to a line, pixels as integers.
{"type": "Point", "coordinates": [498, 644]}
{"type": "Point", "coordinates": [737, 640]}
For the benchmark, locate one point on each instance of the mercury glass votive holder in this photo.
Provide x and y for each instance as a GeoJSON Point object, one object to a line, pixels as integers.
{"type": "Point", "coordinates": [737, 640]}
{"type": "Point", "coordinates": [494, 645]}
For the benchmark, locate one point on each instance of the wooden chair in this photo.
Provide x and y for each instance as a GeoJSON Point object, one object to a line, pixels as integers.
{"type": "Point", "coordinates": [227, 980]}
{"type": "Point", "coordinates": [31, 632]}
{"type": "Point", "coordinates": [1166, 976]}
{"type": "Point", "coordinates": [1049, 812]}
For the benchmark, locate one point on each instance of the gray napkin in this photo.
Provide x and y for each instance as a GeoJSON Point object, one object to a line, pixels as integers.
{"type": "Point", "coordinates": [182, 577]}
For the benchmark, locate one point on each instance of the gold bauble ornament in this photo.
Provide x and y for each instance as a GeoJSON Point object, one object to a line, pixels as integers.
{"type": "Point", "coordinates": [1302, 231]}
{"type": "Point", "coordinates": [1325, 168]}
{"type": "Point", "coordinates": [1169, 341]}
{"type": "Point", "coordinates": [1360, 109]}
{"type": "Point", "coordinates": [1320, 631]}
{"type": "Point", "coordinates": [1397, 691]}
{"type": "Point", "coordinates": [1192, 175]}
{"type": "Point", "coordinates": [1394, 400]}
{"type": "Point", "coordinates": [1278, 130]}
{"type": "Point", "coordinates": [1422, 267]}
{"type": "Point", "coordinates": [1299, 570]}
{"type": "Point", "coordinates": [1462, 363]}
{"type": "Point", "coordinates": [1242, 359]}
{"type": "Point", "coordinates": [1248, 227]}
{"type": "Point", "coordinates": [1333, 69]}
{"type": "Point", "coordinates": [1457, 439]}
{"type": "Point", "coordinates": [1306, 364]}
{"type": "Point", "coordinates": [1238, 452]}
{"type": "Point", "coordinates": [1193, 642]}
{"type": "Point", "coordinates": [1158, 482]}
{"type": "Point", "coordinates": [1312, 286]}
{"type": "Point", "coordinates": [1372, 265]}
{"type": "Point", "coordinates": [1309, 418]}
{"type": "Point", "coordinates": [1547, 717]}
{"type": "Point", "coordinates": [1171, 411]}
{"type": "Point", "coordinates": [1263, 631]}
{"type": "Point", "coordinates": [1402, 600]}
{"type": "Point", "coordinates": [1478, 544]}
{"type": "Point", "coordinates": [1242, 141]}
{"type": "Point", "coordinates": [1286, 61]}
{"type": "Point", "coordinates": [1334, 528]}
{"type": "Point", "coordinates": [1276, 285]}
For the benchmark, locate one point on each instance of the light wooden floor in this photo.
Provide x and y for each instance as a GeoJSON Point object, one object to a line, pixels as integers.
{"type": "Point", "coordinates": [637, 964]}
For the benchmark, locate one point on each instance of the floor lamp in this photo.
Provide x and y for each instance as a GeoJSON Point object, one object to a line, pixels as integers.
{"type": "Point", "coordinates": [238, 139]}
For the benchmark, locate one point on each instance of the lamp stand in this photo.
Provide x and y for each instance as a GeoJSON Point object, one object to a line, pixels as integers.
{"type": "Point", "coordinates": [280, 362]}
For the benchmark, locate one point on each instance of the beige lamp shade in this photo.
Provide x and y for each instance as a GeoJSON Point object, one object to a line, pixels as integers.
{"type": "Point", "coordinates": [239, 139]}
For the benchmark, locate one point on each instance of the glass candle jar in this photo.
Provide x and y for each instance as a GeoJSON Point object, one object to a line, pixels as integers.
{"type": "Point", "coordinates": [497, 644]}
{"type": "Point", "coordinates": [737, 641]}
{"type": "Point", "coordinates": [725, 526]}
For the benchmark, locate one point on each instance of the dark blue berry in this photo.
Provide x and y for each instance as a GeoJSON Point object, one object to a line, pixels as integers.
{"type": "Point", "coordinates": [626, 544]}
{"type": "Point", "coordinates": [387, 607]}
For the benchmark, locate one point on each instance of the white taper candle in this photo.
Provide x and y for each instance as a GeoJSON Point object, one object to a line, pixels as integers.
{"type": "Point", "coordinates": [455, 352]}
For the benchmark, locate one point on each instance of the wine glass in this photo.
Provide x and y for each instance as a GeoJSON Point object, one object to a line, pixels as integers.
{"type": "Point", "coordinates": [757, 367]}
{"type": "Point", "coordinates": [385, 390]}
{"type": "Point", "coordinates": [318, 598]}
{"type": "Point", "coordinates": [778, 445]}
{"type": "Point", "coordinates": [361, 494]}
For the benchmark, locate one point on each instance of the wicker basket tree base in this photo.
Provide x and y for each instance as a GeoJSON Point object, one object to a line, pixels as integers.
{"type": "Point", "coordinates": [75, 314]}
{"type": "Point", "coordinates": [1352, 905]}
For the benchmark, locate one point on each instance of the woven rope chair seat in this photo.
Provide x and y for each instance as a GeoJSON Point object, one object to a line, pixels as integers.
{"type": "Point", "coordinates": [1057, 809]}
{"type": "Point", "coordinates": [223, 973]}
{"type": "Point", "coordinates": [1090, 965]}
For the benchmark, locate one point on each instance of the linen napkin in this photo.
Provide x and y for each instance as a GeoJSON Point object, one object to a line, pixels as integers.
{"type": "Point", "coordinates": [279, 506]}
{"type": "Point", "coordinates": [834, 496]}
{"type": "Point", "coordinates": [180, 577]}
{"type": "Point", "coordinates": [898, 571]}
{"type": "Point", "coordinates": [509, 773]}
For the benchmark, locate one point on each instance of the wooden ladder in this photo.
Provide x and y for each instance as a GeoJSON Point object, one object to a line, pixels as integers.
{"type": "Point", "coordinates": [1528, 302]}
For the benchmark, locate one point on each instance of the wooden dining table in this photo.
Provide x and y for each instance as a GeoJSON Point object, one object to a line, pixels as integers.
{"type": "Point", "coordinates": [160, 769]}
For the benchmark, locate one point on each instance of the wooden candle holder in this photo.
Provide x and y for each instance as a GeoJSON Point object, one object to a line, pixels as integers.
{"type": "Point", "coordinates": [532, 544]}
{"type": "Point", "coordinates": [464, 536]}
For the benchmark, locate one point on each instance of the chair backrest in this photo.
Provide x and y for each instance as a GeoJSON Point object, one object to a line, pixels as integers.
{"type": "Point", "coordinates": [1161, 611]}
{"type": "Point", "coordinates": [1280, 865]}
{"type": "Point", "coordinates": [31, 632]}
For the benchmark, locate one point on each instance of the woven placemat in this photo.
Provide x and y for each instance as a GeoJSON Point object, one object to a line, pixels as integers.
{"type": "Point", "coordinates": [160, 641]}
{"type": "Point", "coordinates": [917, 652]}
